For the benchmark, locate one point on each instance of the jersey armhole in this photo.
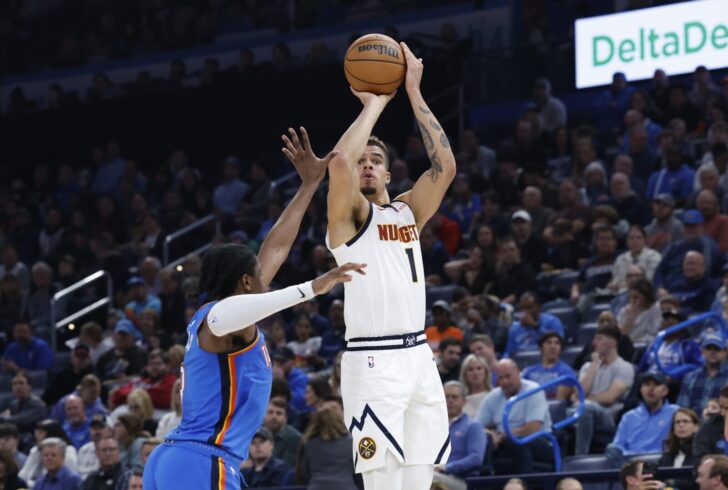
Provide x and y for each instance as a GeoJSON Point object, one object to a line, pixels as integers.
{"type": "Point", "coordinates": [363, 227]}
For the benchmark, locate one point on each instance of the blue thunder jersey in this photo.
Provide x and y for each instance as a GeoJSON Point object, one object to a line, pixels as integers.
{"type": "Point", "coordinates": [224, 396]}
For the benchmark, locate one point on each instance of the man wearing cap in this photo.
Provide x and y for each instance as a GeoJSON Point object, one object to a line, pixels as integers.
{"type": "Point", "coordinates": [262, 469]}
{"type": "Point", "coordinates": [126, 358]}
{"type": "Point", "coordinates": [665, 228]}
{"type": "Point", "coordinates": [675, 178]}
{"type": "Point", "coordinates": [533, 247]}
{"type": "Point", "coordinates": [228, 195]}
{"type": "Point", "coordinates": [525, 333]}
{"type": "Point", "coordinates": [88, 459]}
{"type": "Point", "coordinates": [141, 299]}
{"type": "Point", "coordinates": [444, 326]}
{"type": "Point", "coordinates": [644, 429]}
{"type": "Point", "coordinates": [679, 354]}
{"type": "Point", "coordinates": [283, 360]}
{"type": "Point", "coordinates": [550, 367]}
{"type": "Point", "coordinates": [706, 382]}
{"type": "Point", "coordinates": [670, 269]}
{"type": "Point", "coordinates": [606, 380]}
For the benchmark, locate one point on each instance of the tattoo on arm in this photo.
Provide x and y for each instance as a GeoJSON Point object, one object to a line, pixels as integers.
{"type": "Point", "coordinates": [435, 126]}
{"type": "Point", "coordinates": [436, 168]}
{"type": "Point", "coordinates": [426, 137]}
{"type": "Point", "coordinates": [444, 141]}
{"type": "Point", "coordinates": [425, 110]}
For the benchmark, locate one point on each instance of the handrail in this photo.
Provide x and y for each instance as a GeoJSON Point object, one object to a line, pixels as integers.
{"type": "Point", "coordinates": [106, 301]}
{"type": "Point", "coordinates": [279, 181]}
{"type": "Point", "coordinates": [660, 338]}
{"type": "Point", "coordinates": [561, 380]}
{"type": "Point", "coordinates": [183, 231]}
{"type": "Point", "coordinates": [459, 110]}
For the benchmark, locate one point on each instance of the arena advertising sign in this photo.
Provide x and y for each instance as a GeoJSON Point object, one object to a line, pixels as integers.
{"type": "Point", "coordinates": [676, 38]}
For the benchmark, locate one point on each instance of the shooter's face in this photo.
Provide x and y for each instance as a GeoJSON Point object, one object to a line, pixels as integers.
{"type": "Point", "coordinates": [373, 173]}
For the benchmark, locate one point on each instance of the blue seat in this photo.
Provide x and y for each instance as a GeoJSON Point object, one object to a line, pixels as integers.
{"type": "Point", "coordinates": [651, 457]}
{"type": "Point", "coordinates": [561, 285]}
{"type": "Point", "coordinates": [585, 334]}
{"type": "Point", "coordinates": [526, 358]}
{"type": "Point", "coordinates": [569, 318]}
{"type": "Point", "coordinates": [596, 310]}
{"type": "Point", "coordinates": [61, 361]}
{"type": "Point", "coordinates": [590, 462]}
{"type": "Point", "coordinates": [6, 381]}
{"type": "Point", "coordinates": [439, 292]}
{"type": "Point", "coordinates": [557, 409]}
{"type": "Point", "coordinates": [570, 353]}
{"type": "Point", "coordinates": [38, 379]}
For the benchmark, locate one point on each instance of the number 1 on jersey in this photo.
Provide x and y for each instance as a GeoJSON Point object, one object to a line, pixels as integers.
{"type": "Point", "coordinates": [411, 256]}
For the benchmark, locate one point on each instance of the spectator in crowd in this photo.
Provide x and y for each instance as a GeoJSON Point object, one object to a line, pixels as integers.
{"type": "Point", "coordinates": [77, 427]}
{"type": "Point", "coordinates": [285, 438]}
{"type": "Point", "coordinates": [141, 300]}
{"type": "Point", "coordinates": [513, 276]}
{"type": "Point", "coordinates": [695, 288]}
{"type": "Point", "coordinates": [483, 346]}
{"type": "Point", "coordinates": [645, 428]}
{"type": "Point", "coordinates": [705, 383]}
{"type": "Point", "coordinates": [676, 178]}
{"type": "Point", "coordinates": [475, 156]}
{"type": "Point", "coordinates": [595, 188]}
{"type": "Point", "coordinates": [713, 472]}
{"type": "Point", "coordinates": [33, 467]}
{"type": "Point", "coordinates": [633, 477]}
{"type": "Point", "coordinates": [629, 205]}
{"type": "Point", "coordinates": [715, 224]}
{"type": "Point", "coordinates": [158, 382]}
{"type": "Point", "coordinates": [9, 479]}
{"type": "Point", "coordinates": [710, 438]}
{"type": "Point", "coordinates": [283, 360]}
{"type": "Point", "coordinates": [434, 257]}
{"type": "Point", "coordinates": [317, 389]}
{"type": "Point", "coordinates": [139, 403]}
{"type": "Point", "coordinates": [56, 476]}
{"type": "Point", "coordinates": [67, 379]}
{"type": "Point", "coordinates": [678, 354]}
{"type": "Point", "coordinates": [473, 271]}
{"type": "Point", "coordinates": [88, 460]}
{"type": "Point", "coordinates": [606, 380]}
{"type": "Point", "coordinates": [551, 109]}
{"type": "Point", "coordinates": [9, 440]}
{"type": "Point", "coordinates": [597, 271]}
{"type": "Point", "coordinates": [126, 358]}
{"type": "Point", "coordinates": [12, 302]}
{"type": "Point", "coordinates": [10, 265]}
{"type": "Point", "coordinates": [263, 469]}
{"type": "Point", "coordinates": [529, 416]}
{"type": "Point", "coordinates": [565, 252]}
{"type": "Point", "coordinates": [679, 446]}
{"type": "Point", "coordinates": [173, 304]}
{"type": "Point", "coordinates": [136, 480]}
{"type": "Point", "coordinates": [400, 180]}
{"type": "Point", "coordinates": [26, 351]}
{"type": "Point", "coordinates": [525, 333]}
{"type": "Point", "coordinates": [634, 118]}
{"type": "Point", "coordinates": [129, 432]}
{"type": "Point", "coordinates": [229, 194]}
{"type": "Point", "coordinates": [637, 254]}
{"type": "Point", "coordinates": [25, 408]}
{"type": "Point", "coordinates": [443, 327]}
{"type": "Point", "coordinates": [475, 376]}
{"type": "Point", "coordinates": [569, 484]}
{"type": "Point", "coordinates": [333, 341]}
{"type": "Point", "coordinates": [463, 204]}
{"type": "Point", "coordinates": [467, 441]}
{"type": "Point", "coordinates": [533, 204]}
{"type": "Point", "coordinates": [451, 351]}
{"type": "Point", "coordinates": [610, 105]}
{"type": "Point", "coordinates": [532, 246]}
{"type": "Point", "coordinates": [704, 90]}
{"type": "Point", "coordinates": [92, 336]}
{"type": "Point", "coordinates": [324, 459]}
{"type": "Point", "coordinates": [640, 318]}
{"type": "Point", "coordinates": [111, 471]}
{"type": "Point", "coordinates": [551, 366]}
{"type": "Point", "coordinates": [173, 417]}
{"type": "Point", "coordinates": [89, 389]}
{"type": "Point", "coordinates": [38, 304]}
{"type": "Point", "coordinates": [665, 228]}
{"type": "Point", "coordinates": [305, 345]}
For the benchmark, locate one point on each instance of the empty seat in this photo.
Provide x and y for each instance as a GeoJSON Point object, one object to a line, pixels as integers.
{"type": "Point", "coordinates": [6, 381]}
{"type": "Point", "coordinates": [526, 358]}
{"type": "Point", "coordinates": [562, 283]}
{"type": "Point", "coordinates": [589, 462]}
{"type": "Point", "coordinates": [557, 409]}
{"type": "Point", "coordinates": [439, 292]}
{"type": "Point", "coordinates": [570, 353]}
{"type": "Point", "coordinates": [585, 334]}
{"type": "Point", "coordinates": [5, 399]}
{"type": "Point", "coordinates": [38, 379]}
{"type": "Point", "coordinates": [569, 318]}
{"type": "Point", "coordinates": [61, 361]}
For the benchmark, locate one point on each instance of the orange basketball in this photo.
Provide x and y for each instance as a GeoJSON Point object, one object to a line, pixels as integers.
{"type": "Point", "coordinates": [375, 63]}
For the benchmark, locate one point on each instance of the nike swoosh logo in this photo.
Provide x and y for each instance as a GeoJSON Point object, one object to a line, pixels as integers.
{"type": "Point", "coordinates": [302, 295]}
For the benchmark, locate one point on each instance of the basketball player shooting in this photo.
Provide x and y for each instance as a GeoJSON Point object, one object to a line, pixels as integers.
{"type": "Point", "coordinates": [394, 402]}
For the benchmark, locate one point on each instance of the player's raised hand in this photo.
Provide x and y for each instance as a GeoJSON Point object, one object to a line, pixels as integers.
{"type": "Point", "coordinates": [414, 69]}
{"type": "Point", "coordinates": [310, 167]}
{"type": "Point", "coordinates": [325, 282]}
{"type": "Point", "coordinates": [367, 98]}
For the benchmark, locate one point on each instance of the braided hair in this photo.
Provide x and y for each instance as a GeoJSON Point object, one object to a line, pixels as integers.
{"type": "Point", "coordinates": [222, 268]}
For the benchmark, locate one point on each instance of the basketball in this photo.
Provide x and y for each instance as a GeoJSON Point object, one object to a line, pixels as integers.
{"type": "Point", "coordinates": [375, 63]}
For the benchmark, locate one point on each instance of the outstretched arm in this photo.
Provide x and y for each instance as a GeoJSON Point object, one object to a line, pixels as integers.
{"type": "Point", "coordinates": [274, 250]}
{"type": "Point", "coordinates": [427, 193]}
{"type": "Point", "coordinates": [345, 201]}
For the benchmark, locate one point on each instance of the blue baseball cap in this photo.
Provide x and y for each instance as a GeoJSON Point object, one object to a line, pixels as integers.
{"type": "Point", "coordinates": [126, 326]}
{"type": "Point", "coordinates": [135, 281]}
{"type": "Point", "coordinates": [713, 339]}
{"type": "Point", "coordinates": [692, 217]}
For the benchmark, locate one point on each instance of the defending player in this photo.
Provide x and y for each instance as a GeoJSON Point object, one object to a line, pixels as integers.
{"type": "Point", "coordinates": [394, 402]}
{"type": "Point", "coordinates": [226, 374]}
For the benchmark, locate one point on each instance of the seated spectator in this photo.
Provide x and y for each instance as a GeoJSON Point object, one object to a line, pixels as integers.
{"type": "Point", "coordinates": [719, 304]}
{"type": "Point", "coordinates": [715, 224]}
{"type": "Point", "coordinates": [713, 472]}
{"type": "Point", "coordinates": [77, 427]}
{"type": "Point", "coordinates": [475, 376]}
{"type": "Point", "coordinates": [283, 360]}
{"type": "Point", "coordinates": [9, 439]}
{"type": "Point", "coordinates": [527, 417]}
{"type": "Point", "coordinates": [695, 288]}
{"type": "Point", "coordinates": [629, 205]}
{"type": "Point", "coordinates": [138, 403]}
{"type": "Point", "coordinates": [141, 299]}
{"type": "Point", "coordinates": [467, 441]}
{"type": "Point", "coordinates": [111, 471]}
{"type": "Point", "coordinates": [324, 459]}
{"type": "Point", "coordinates": [262, 469]}
{"type": "Point", "coordinates": [90, 392]}
{"type": "Point", "coordinates": [305, 345]}
{"type": "Point", "coordinates": [333, 341]}
{"type": "Point", "coordinates": [33, 467]}
{"type": "Point", "coordinates": [640, 317]}
{"type": "Point", "coordinates": [10, 265]}
{"type": "Point", "coordinates": [678, 353]}
{"type": "Point", "coordinates": [463, 203]}
{"type": "Point", "coordinates": [448, 365]}
{"type": "Point", "coordinates": [158, 383]}
{"type": "Point", "coordinates": [526, 332]}
{"type": "Point", "coordinates": [129, 432]}
{"type": "Point", "coordinates": [539, 213]}
{"type": "Point", "coordinates": [565, 252]}
{"type": "Point", "coordinates": [596, 273]}
{"type": "Point", "coordinates": [434, 257]}
{"type": "Point", "coordinates": [126, 358]}
{"type": "Point", "coordinates": [679, 446]}
{"type": "Point", "coordinates": [625, 348]}
{"type": "Point", "coordinates": [532, 246]}
{"type": "Point", "coordinates": [606, 380]}
{"type": "Point", "coordinates": [88, 459]}
{"type": "Point", "coordinates": [335, 377]}
{"type": "Point", "coordinates": [665, 228]}
{"type": "Point", "coordinates": [285, 438]}
{"type": "Point", "coordinates": [644, 429]}
{"type": "Point", "coordinates": [9, 479]}
{"type": "Point", "coordinates": [634, 118]}
{"type": "Point", "coordinates": [38, 303]}
{"type": "Point", "coordinates": [92, 336]}
{"type": "Point", "coordinates": [550, 367]}
{"type": "Point", "coordinates": [637, 254]}
{"type": "Point", "coordinates": [67, 379]}
{"type": "Point", "coordinates": [676, 178]}
{"type": "Point", "coordinates": [483, 347]}
{"type": "Point", "coordinates": [569, 484]}
{"type": "Point", "coordinates": [705, 383]}
{"type": "Point", "coordinates": [171, 419]}
{"type": "Point", "coordinates": [477, 157]}
{"type": "Point", "coordinates": [633, 477]}
{"type": "Point", "coordinates": [444, 326]}
{"type": "Point", "coordinates": [317, 389]}
{"type": "Point", "coordinates": [26, 351]}
{"type": "Point", "coordinates": [595, 183]}
{"type": "Point", "coordinates": [12, 302]}
{"type": "Point", "coordinates": [25, 408]}
{"type": "Point", "coordinates": [513, 276]}
{"type": "Point", "coordinates": [56, 474]}
{"type": "Point", "coordinates": [668, 273]}
{"type": "Point", "coordinates": [229, 194]}
{"type": "Point", "coordinates": [136, 480]}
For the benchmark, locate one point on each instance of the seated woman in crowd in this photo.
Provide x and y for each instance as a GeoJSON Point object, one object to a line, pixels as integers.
{"type": "Point", "coordinates": [475, 376]}
{"type": "Point", "coordinates": [9, 479]}
{"type": "Point", "coordinates": [640, 318]}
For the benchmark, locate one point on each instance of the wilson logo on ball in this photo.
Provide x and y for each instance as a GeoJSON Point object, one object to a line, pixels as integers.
{"type": "Point", "coordinates": [380, 49]}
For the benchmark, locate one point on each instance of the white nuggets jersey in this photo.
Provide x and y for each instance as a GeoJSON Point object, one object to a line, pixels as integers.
{"type": "Point", "coordinates": [390, 299]}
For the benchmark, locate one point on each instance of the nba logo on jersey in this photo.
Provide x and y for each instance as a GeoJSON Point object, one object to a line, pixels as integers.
{"type": "Point", "coordinates": [371, 361]}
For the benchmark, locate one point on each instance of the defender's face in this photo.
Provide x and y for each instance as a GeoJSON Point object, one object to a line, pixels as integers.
{"type": "Point", "coordinates": [373, 174]}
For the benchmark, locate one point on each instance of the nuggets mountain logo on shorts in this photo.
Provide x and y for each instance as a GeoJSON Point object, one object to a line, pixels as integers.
{"type": "Point", "coordinates": [367, 447]}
